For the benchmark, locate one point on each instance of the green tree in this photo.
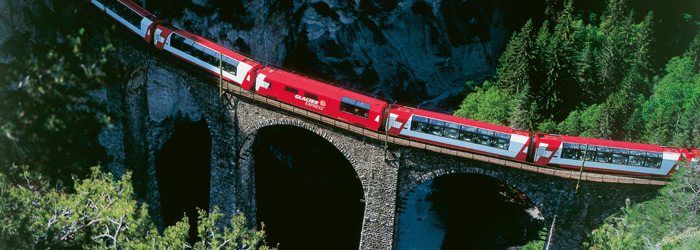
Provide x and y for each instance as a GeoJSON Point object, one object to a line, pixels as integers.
{"type": "Point", "coordinates": [515, 64]}
{"type": "Point", "coordinates": [525, 113]}
{"type": "Point", "coordinates": [671, 219]}
{"type": "Point", "coordinates": [670, 114]}
{"type": "Point", "coordinates": [585, 122]}
{"type": "Point", "coordinates": [102, 213]}
{"type": "Point", "coordinates": [537, 244]}
{"type": "Point", "coordinates": [488, 103]}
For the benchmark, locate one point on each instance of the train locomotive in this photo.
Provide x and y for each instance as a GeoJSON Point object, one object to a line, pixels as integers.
{"type": "Point", "coordinates": [401, 121]}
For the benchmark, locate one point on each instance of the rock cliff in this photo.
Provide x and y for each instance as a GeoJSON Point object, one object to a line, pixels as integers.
{"type": "Point", "coordinates": [413, 51]}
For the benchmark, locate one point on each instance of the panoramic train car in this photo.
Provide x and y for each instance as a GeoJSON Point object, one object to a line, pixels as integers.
{"type": "Point", "coordinates": [131, 15]}
{"type": "Point", "coordinates": [693, 156]}
{"type": "Point", "coordinates": [320, 97]}
{"type": "Point", "coordinates": [605, 155]}
{"type": "Point", "coordinates": [457, 132]}
{"type": "Point", "coordinates": [207, 55]}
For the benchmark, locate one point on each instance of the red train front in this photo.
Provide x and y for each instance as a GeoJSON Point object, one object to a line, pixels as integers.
{"type": "Point", "coordinates": [457, 132]}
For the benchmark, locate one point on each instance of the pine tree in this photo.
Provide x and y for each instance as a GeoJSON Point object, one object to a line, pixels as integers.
{"type": "Point", "coordinates": [515, 63]}
{"type": "Point", "coordinates": [613, 60]}
{"type": "Point", "coordinates": [561, 86]}
{"type": "Point", "coordinates": [525, 112]}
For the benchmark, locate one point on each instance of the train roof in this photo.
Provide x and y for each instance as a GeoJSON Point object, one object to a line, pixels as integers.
{"type": "Point", "coordinates": [462, 120]}
{"type": "Point", "coordinates": [321, 88]}
{"type": "Point", "coordinates": [215, 46]}
{"type": "Point", "coordinates": [608, 143]}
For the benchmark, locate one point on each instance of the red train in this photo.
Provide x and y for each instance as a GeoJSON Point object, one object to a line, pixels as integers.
{"type": "Point", "coordinates": [411, 123]}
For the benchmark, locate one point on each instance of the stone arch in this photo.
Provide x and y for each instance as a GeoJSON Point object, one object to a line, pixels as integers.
{"type": "Point", "coordinates": [425, 167]}
{"type": "Point", "coordinates": [250, 134]}
{"type": "Point", "coordinates": [246, 185]}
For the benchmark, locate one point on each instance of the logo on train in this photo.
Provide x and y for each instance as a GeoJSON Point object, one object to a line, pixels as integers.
{"type": "Point", "coordinates": [311, 102]}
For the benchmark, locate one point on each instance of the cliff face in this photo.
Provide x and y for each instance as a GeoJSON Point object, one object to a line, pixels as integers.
{"type": "Point", "coordinates": [413, 51]}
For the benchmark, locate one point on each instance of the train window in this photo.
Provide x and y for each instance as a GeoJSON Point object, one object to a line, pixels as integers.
{"type": "Point", "coordinates": [354, 107]}
{"type": "Point", "coordinates": [618, 158]}
{"type": "Point", "coordinates": [436, 127]}
{"type": "Point", "coordinates": [419, 124]}
{"type": "Point", "coordinates": [291, 90]}
{"type": "Point", "coordinates": [502, 140]}
{"type": "Point", "coordinates": [570, 151]}
{"type": "Point", "coordinates": [486, 137]}
{"type": "Point", "coordinates": [311, 96]}
{"type": "Point", "coordinates": [602, 157]}
{"type": "Point", "coordinates": [636, 161]}
{"type": "Point", "coordinates": [420, 127]}
{"type": "Point", "coordinates": [181, 43]}
{"type": "Point", "coordinates": [452, 130]}
{"type": "Point", "coordinates": [126, 13]}
{"type": "Point", "coordinates": [230, 65]}
{"type": "Point", "coordinates": [653, 162]}
{"type": "Point", "coordinates": [589, 155]}
{"type": "Point", "coordinates": [469, 134]}
{"type": "Point", "coordinates": [452, 133]}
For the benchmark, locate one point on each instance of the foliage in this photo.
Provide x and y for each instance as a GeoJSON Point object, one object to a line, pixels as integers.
{"type": "Point", "coordinates": [488, 103]}
{"type": "Point", "coordinates": [102, 213]}
{"type": "Point", "coordinates": [538, 243]}
{"type": "Point", "coordinates": [670, 114]}
{"type": "Point", "coordinates": [589, 76]}
{"type": "Point", "coordinates": [670, 220]}
{"type": "Point", "coordinates": [49, 110]}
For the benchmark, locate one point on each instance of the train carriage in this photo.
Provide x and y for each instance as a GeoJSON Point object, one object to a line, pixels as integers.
{"type": "Point", "coordinates": [457, 132]}
{"type": "Point", "coordinates": [605, 155]}
{"type": "Point", "coordinates": [207, 55]}
{"type": "Point", "coordinates": [320, 97]}
{"type": "Point", "coordinates": [131, 15]}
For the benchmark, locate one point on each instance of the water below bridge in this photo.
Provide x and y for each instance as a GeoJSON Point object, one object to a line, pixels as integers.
{"type": "Point", "coordinates": [466, 211]}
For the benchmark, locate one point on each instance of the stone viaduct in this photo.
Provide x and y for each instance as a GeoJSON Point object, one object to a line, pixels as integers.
{"type": "Point", "coordinates": [235, 118]}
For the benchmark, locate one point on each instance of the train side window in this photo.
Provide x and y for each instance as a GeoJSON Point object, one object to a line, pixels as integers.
{"type": "Point", "coordinates": [636, 158]}
{"type": "Point", "coordinates": [469, 134]}
{"type": "Point", "coordinates": [419, 124]}
{"type": "Point", "coordinates": [601, 157]}
{"type": "Point", "coordinates": [452, 131]}
{"type": "Point", "coordinates": [571, 151]}
{"type": "Point", "coordinates": [126, 13]}
{"type": "Point", "coordinates": [230, 65]}
{"type": "Point", "coordinates": [653, 162]}
{"type": "Point", "coordinates": [178, 42]}
{"type": "Point", "coordinates": [619, 159]}
{"type": "Point", "coordinates": [291, 90]}
{"type": "Point", "coordinates": [436, 127]}
{"type": "Point", "coordinates": [354, 107]}
{"type": "Point", "coordinates": [502, 140]}
{"type": "Point", "coordinates": [486, 137]}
